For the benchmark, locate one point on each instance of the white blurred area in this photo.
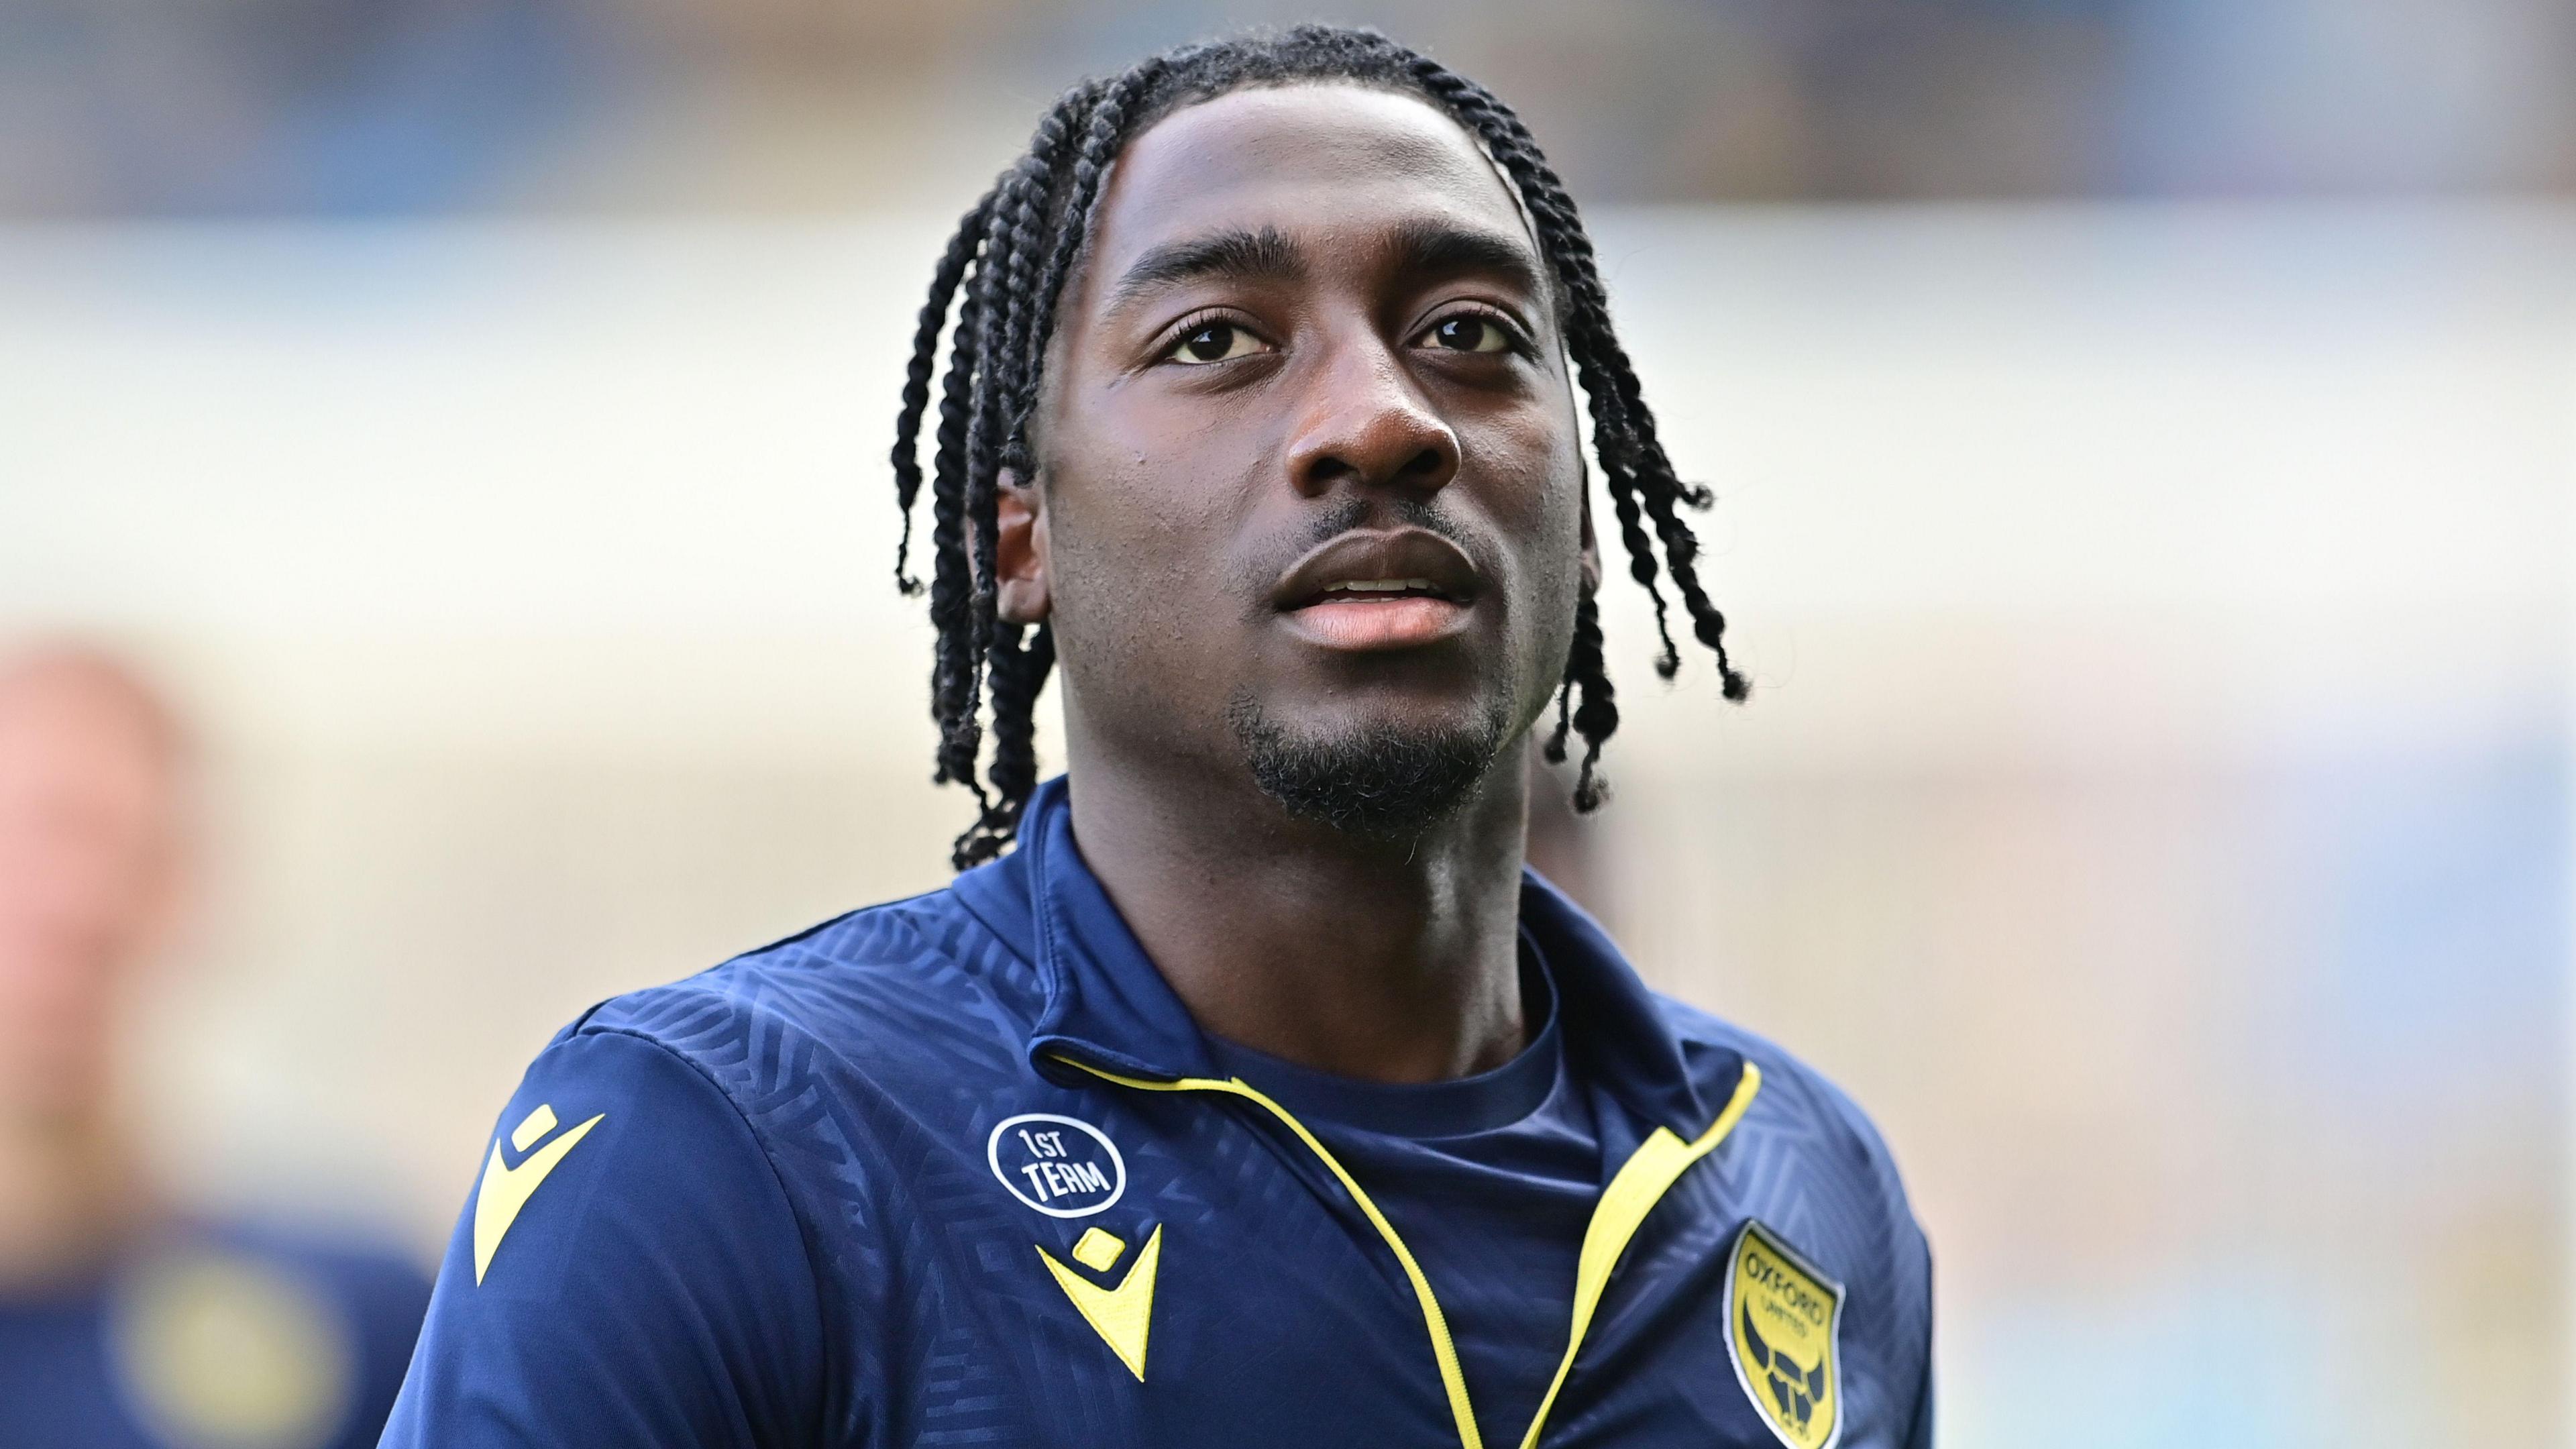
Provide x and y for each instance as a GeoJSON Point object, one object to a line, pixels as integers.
{"type": "Point", "coordinates": [2153, 805]}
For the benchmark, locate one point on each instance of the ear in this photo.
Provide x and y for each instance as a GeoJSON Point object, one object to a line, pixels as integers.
{"type": "Point", "coordinates": [1021, 595]}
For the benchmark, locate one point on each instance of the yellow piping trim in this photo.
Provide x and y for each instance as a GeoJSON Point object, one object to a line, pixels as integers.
{"type": "Point", "coordinates": [1443, 1348]}
{"type": "Point", "coordinates": [1640, 1183]}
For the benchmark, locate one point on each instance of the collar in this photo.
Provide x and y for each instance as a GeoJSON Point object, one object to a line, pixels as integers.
{"type": "Point", "coordinates": [1106, 1005]}
{"type": "Point", "coordinates": [1493, 1100]}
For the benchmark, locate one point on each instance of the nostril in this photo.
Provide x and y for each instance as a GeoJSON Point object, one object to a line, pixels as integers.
{"type": "Point", "coordinates": [1397, 447]}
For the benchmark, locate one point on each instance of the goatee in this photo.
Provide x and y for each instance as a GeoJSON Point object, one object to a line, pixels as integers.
{"type": "Point", "coordinates": [1382, 781]}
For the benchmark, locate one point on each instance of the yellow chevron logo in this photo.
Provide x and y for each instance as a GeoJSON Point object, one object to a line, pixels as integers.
{"type": "Point", "coordinates": [1123, 1315]}
{"type": "Point", "coordinates": [506, 1189]}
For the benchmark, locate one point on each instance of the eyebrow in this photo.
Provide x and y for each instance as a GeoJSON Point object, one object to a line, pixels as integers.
{"type": "Point", "coordinates": [1425, 248]}
{"type": "Point", "coordinates": [1417, 248]}
{"type": "Point", "coordinates": [1265, 255]}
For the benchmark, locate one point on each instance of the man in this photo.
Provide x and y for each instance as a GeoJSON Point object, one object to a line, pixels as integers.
{"type": "Point", "coordinates": [124, 1324]}
{"type": "Point", "coordinates": [1258, 1096]}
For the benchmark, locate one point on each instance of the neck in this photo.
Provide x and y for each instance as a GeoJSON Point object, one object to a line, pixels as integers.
{"type": "Point", "coordinates": [1385, 961]}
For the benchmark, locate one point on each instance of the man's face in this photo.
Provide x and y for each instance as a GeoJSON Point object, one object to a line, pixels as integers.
{"type": "Point", "coordinates": [87, 855]}
{"type": "Point", "coordinates": [1311, 490]}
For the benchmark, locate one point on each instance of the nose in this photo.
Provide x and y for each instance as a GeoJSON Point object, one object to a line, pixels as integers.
{"type": "Point", "coordinates": [1364, 422]}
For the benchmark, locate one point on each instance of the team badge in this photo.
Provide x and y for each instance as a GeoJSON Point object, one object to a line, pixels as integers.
{"type": "Point", "coordinates": [1062, 1166]}
{"type": "Point", "coordinates": [1783, 1321]}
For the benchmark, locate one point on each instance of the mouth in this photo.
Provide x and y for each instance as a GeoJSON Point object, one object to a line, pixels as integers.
{"type": "Point", "coordinates": [1373, 591]}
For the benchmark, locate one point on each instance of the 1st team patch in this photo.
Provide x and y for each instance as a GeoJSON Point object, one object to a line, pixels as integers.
{"type": "Point", "coordinates": [1783, 1322]}
{"type": "Point", "coordinates": [1062, 1166]}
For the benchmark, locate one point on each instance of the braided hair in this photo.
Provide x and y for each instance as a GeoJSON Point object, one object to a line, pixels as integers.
{"type": "Point", "coordinates": [1001, 276]}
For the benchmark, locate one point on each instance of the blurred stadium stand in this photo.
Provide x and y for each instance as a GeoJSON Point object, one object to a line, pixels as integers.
{"type": "Point", "coordinates": [109, 107]}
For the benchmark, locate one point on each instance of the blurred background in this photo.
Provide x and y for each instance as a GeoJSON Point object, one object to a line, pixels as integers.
{"type": "Point", "coordinates": [2145, 433]}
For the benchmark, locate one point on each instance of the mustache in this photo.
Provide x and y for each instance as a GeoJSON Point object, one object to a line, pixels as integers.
{"type": "Point", "coordinates": [1260, 574]}
{"type": "Point", "coordinates": [1348, 513]}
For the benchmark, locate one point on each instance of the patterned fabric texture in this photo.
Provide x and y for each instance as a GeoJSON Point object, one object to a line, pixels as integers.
{"type": "Point", "coordinates": [869, 1186]}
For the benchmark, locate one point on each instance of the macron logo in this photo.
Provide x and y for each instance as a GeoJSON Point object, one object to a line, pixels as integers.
{"type": "Point", "coordinates": [506, 1189]}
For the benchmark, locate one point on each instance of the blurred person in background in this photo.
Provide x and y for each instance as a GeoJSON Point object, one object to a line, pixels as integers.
{"type": "Point", "coordinates": [1244, 1087]}
{"type": "Point", "coordinates": [125, 1320]}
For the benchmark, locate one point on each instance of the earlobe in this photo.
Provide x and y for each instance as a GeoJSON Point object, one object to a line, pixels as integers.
{"type": "Point", "coordinates": [1021, 595]}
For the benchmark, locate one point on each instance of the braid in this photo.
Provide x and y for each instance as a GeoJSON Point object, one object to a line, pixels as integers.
{"type": "Point", "coordinates": [958, 684]}
{"type": "Point", "coordinates": [1597, 717]}
{"type": "Point", "coordinates": [1000, 284]}
{"type": "Point", "coordinates": [962, 735]}
{"type": "Point", "coordinates": [1006, 267]}
{"type": "Point", "coordinates": [1100, 139]}
{"type": "Point", "coordinates": [970, 642]}
{"type": "Point", "coordinates": [1018, 673]}
{"type": "Point", "coordinates": [1033, 187]}
{"type": "Point", "coordinates": [950, 585]}
{"type": "Point", "coordinates": [916, 382]}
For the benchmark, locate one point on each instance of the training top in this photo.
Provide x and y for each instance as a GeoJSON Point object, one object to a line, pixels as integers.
{"type": "Point", "coordinates": [961, 1170]}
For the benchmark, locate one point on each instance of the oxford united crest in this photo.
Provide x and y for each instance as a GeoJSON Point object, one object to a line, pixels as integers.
{"type": "Point", "coordinates": [1783, 1320]}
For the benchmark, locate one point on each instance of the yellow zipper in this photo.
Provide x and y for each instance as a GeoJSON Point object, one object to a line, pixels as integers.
{"type": "Point", "coordinates": [1633, 1191]}
{"type": "Point", "coordinates": [1639, 1184]}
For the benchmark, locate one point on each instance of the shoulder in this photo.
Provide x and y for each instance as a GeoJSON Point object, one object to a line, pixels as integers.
{"type": "Point", "coordinates": [1810, 1164]}
{"type": "Point", "coordinates": [623, 1192]}
{"type": "Point", "coordinates": [922, 951]}
{"type": "Point", "coordinates": [815, 1050]}
{"type": "Point", "coordinates": [1801, 1126]}
{"type": "Point", "coordinates": [1792, 1091]}
{"type": "Point", "coordinates": [878, 995]}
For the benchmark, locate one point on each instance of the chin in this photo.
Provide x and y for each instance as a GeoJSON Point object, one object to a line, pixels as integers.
{"type": "Point", "coordinates": [1383, 775]}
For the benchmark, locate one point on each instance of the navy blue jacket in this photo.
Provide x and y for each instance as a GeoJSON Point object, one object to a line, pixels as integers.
{"type": "Point", "coordinates": [962, 1170]}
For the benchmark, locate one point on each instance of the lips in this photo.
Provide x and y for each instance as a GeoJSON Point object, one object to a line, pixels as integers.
{"type": "Point", "coordinates": [1368, 564]}
{"type": "Point", "coordinates": [1373, 590]}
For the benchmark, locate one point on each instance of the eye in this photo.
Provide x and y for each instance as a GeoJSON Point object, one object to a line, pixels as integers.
{"type": "Point", "coordinates": [1469, 332]}
{"type": "Point", "coordinates": [1214, 342]}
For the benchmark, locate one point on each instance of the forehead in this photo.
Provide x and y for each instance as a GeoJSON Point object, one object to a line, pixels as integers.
{"type": "Point", "coordinates": [1334, 162]}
